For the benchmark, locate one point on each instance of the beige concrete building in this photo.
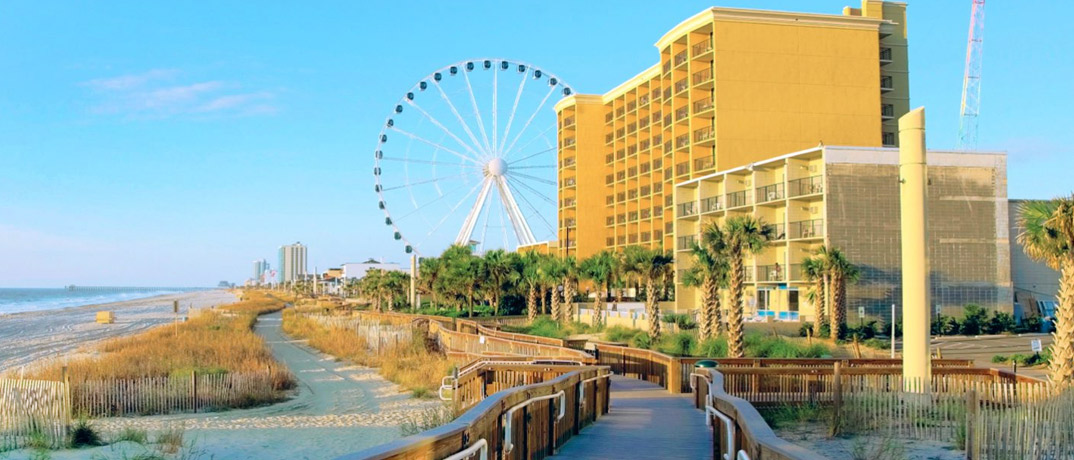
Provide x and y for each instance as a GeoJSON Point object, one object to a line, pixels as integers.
{"type": "Point", "coordinates": [848, 198]}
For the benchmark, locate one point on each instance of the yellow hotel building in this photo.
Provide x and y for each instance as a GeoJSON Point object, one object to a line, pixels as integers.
{"type": "Point", "coordinates": [731, 87]}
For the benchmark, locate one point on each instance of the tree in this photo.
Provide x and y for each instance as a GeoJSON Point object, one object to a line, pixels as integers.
{"type": "Point", "coordinates": [1048, 236]}
{"type": "Point", "coordinates": [745, 235]}
{"type": "Point", "coordinates": [602, 269]}
{"type": "Point", "coordinates": [840, 273]}
{"type": "Point", "coordinates": [552, 270]}
{"type": "Point", "coordinates": [430, 270]}
{"type": "Point", "coordinates": [570, 280]}
{"type": "Point", "coordinates": [531, 278]}
{"type": "Point", "coordinates": [709, 273]}
{"type": "Point", "coordinates": [648, 266]}
{"type": "Point", "coordinates": [813, 268]}
{"type": "Point", "coordinates": [497, 270]}
{"type": "Point", "coordinates": [462, 273]}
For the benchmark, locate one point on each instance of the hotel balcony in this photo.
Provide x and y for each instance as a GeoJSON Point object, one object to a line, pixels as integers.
{"type": "Point", "coordinates": [805, 186]}
{"type": "Point", "coordinates": [796, 273]}
{"type": "Point", "coordinates": [682, 85]}
{"type": "Point", "coordinates": [885, 56]}
{"type": "Point", "coordinates": [686, 209]}
{"type": "Point", "coordinates": [703, 79]}
{"type": "Point", "coordinates": [779, 231]}
{"type": "Point", "coordinates": [887, 84]}
{"type": "Point", "coordinates": [701, 48]}
{"type": "Point", "coordinates": [567, 122]}
{"type": "Point", "coordinates": [887, 112]}
{"type": "Point", "coordinates": [705, 136]}
{"type": "Point", "coordinates": [771, 273]}
{"type": "Point", "coordinates": [702, 164]}
{"type": "Point", "coordinates": [681, 142]}
{"type": "Point", "coordinates": [685, 243]}
{"type": "Point", "coordinates": [768, 193]}
{"type": "Point", "coordinates": [711, 204]}
{"type": "Point", "coordinates": [680, 58]}
{"type": "Point", "coordinates": [806, 229]}
{"type": "Point", "coordinates": [703, 105]}
{"type": "Point", "coordinates": [737, 199]}
{"type": "Point", "coordinates": [682, 113]}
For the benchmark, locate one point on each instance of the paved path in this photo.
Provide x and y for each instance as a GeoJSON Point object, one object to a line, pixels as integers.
{"type": "Point", "coordinates": [645, 421]}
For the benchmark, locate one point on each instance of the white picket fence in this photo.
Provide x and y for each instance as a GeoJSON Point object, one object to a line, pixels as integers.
{"type": "Point", "coordinates": [38, 410]}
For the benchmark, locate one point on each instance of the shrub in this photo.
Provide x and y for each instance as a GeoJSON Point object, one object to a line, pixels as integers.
{"type": "Point", "coordinates": [877, 344]}
{"type": "Point", "coordinates": [973, 320]}
{"type": "Point", "coordinates": [682, 320]}
{"type": "Point", "coordinates": [1029, 324]}
{"type": "Point", "coordinates": [711, 348]}
{"type": "Point", "coordinates": [641, 340]}
{"type": "Point", "coordinates": [760, 346]}
{"type": "Point", "coordinates": [620, 334]}
{"type": "Point", "coordinates": [999, 323]}
{"type": "Point", "coordinates": [678, 344]}
{"type": "Point", "coordinates": [83, 435]}
{"type": "Point", "coordinates": [1000, 359]}
{"type": "Point", "coordinates": [131, 434]}
{"type": "Point", "coordinates": [171, 440]}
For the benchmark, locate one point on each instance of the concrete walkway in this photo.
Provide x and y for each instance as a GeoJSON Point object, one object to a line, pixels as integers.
{"type": "Point", "coordinates": [645, 421]}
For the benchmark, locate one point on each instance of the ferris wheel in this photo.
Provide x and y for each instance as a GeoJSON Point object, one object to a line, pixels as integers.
{"type": "Point", "coordinates": [468, 156]}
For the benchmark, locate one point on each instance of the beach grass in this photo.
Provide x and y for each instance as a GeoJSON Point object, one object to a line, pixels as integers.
{"type": "Point", "coordinates": [211, 341]}
{"type": "Point", "coordinates": [415, 365]}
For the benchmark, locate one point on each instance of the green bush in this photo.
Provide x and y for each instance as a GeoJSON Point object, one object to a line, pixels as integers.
{"type": "Point", "coordinates": [761, 346]}
{"type": "Point", "coordinates": [877, 344]}
{"type": "Point", "coordinates": [620, 334]}
{"type": "Point", "coordinates": [973, 320]}
{"type": "Point", "coordinates": [1000, 322]}
{"type": "Point", "coordinates": [1029, 324]}
{"type": "Point", "coordinates": [684, 321]}
{"type": "Point", "coordinates": [711, 348]}
{"type": "Point", "coordinates": [805, 329]}
{"type": "Point", "coordinates": [1000, 359]}
{"type": "Point", "coordinates": [641, 340]}
{"type": "Point", "coordinates": [83, 435]}
{"type": "Point", "coordinates": [678, 344]}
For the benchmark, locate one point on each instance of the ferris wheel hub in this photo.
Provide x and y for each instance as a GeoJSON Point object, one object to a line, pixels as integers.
{"type": "Point", "coordinates": [496, 167]}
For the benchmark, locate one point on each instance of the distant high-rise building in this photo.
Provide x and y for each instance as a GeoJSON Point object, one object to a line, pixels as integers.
{"type": "Point", "coordinates": [292, 264]}
{"type": "Point", "coordinates": [260, 267]}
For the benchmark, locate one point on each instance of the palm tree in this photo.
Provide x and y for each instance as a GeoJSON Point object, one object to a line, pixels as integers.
{"type": "Point", "coordinates": [497, 271]}
{"type": "Point", "coordinates": [462, 273]}
{"type": "Point", "coordinates": [530, 276]}
{"type": "Point", "coordinates": [813, 268]}
{"type": "Point", "coordinates": [570, 278]}
{"type": "Point", "coordinates": [648, 266]}
{"type": "Point", "coordinates": [709, 272]}
{"type": "Point", "coordinates": [430, 270]}
{"type": "Point", "coordinates": [552, 271]}
{"type": "Point", "coordinates": [602, 269]}
{"type": "Point", "coordinates": [744, 235]}
{"type": "Point", "coordinates": [1048, 236]}
{"type": "Point", "coordinates": [840, 273]}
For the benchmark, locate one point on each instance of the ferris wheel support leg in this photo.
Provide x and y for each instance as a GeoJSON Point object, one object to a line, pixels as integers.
{"type": "Point", "coordinates": [471, 218]}
{"type": "Point", "coordinates": [518, 221]}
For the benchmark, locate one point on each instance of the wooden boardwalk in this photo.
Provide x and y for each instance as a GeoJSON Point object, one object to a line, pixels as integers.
{"type": "Point", "coordinates": [645, 421]}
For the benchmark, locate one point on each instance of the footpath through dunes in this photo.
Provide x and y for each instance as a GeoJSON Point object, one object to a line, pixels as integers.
{"type": "Point", "coordinates": [31, 337]}
{"type": "Point", "coordinates": [338, 408]}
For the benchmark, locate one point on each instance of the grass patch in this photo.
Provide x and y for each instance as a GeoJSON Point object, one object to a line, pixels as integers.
{"type": "Point", "coordinates": [426, 420]}
{"type": "Point", "coordinates": [83, 435]}
{"type": "Point", "coordinates": [545, 327]}
{"type": "Point", "coordinates": [685, 343]}
{"type": "Point", "coordinates": [131, 434]}
{"type": "Point", "coordinates": [415, 365]}
{"type": "Point", "coordinates": [794, 414]}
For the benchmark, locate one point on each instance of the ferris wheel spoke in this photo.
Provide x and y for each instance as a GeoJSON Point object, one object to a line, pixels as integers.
{"type": "Point", "coordinates": [436, 122]}
{"type": "Point", "coordinates": [514, 109]}
{"type": "Point", "coordinates": [534, 178]}
{"type": "Point", "coordinates": [426, 181]}
{"type": "Point", "coordinates": [518, 220]}
{"type": "Point", "coordinates": [551, 89]}
{"type": "Point", "coordinates": [433, 201]}
{"type": "Point", "coordinates": [451, 105]}
{"type": "Point", "coordinates": [452, 211]}
{"type": "Point", "coordinates": [540, 136]}
{"type": "Point", "coordinates": [528, 157]}
{"type": "Point", "coordinates": [534, 167]}
{"type": "Point", "coordinates": [434, 144]}
{"type": "Point", "coordinates": [430, 162]}
{"type": "Point", "coordinates": [533, 208]}
{"type": "Point", "coordinates": [485, 229]}
{"type": "Point", "coordinates": [535, 192]}
{"type": "Point", "coordinates": [495, 108]}
{"type": "Point", "coordinates": [471, 218]}
{"type": "Point", "coordinates": [477, 113]}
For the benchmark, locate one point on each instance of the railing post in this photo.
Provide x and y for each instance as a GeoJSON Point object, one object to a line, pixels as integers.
{"type": "Point", "coordinates": [674, 373]}
{"type": "Point", "coordinates": [971, 418]}
{"type": "Point", "coordinates": [837, 399]}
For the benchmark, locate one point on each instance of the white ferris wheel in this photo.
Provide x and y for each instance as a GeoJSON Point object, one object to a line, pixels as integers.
{"type": "Point", "coordinates": [468, 156]}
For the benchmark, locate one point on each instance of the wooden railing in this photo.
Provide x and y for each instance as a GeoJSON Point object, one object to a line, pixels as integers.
{"type": "Point", "coordinates": [474, 327]}
{"type": "Point", "coordinates": [529, 421]}
{"type": "Point", "coordinates": [476, 383]}
{"type": "Point", "coordinates": [481, 345]}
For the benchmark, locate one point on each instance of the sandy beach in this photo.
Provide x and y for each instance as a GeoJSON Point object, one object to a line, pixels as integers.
{"type": "Point", "coordinates": [28, 337]}
{"type": "Point", "coordinates": [338, 408]}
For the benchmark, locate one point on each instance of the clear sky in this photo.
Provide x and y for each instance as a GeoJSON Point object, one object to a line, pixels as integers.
{"type": "Point", "coordinates": [172, 143]}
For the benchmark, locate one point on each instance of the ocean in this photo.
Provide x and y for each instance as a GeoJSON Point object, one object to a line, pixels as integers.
{"type": "Point", "coordinates": [16, 300]}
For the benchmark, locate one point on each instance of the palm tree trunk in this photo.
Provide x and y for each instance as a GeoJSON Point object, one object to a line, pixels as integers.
{"type": "Point", "coordinates": [1061, 366]}
{"type": "Point", "coordinates": [705, 322]}
{"type": "Point", "coordinates": [568, 301]}
{"type": "Point", "coordinates": [598, 311]}
{"type": "Point", "coordinates": [470, 301]}
{"type": "Point", "coordinates": [735, 347]}
{"type": "Point", "coordinates": [652, 309]}
{"type": "Point", "coordinates": [544, 294]}
{"type": "Point", "coordinates": [839, 318]}
{"type": "Point", "coordinates": [531, 304]}
{"type": "Point", "coordinates": [819, 306]}
{"type": "Point", "coordinates": [717, 311]}
{"type": "Point", "coordinates": [555, 305]}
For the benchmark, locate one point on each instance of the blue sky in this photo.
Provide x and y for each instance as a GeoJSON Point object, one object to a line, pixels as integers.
{"type": "Point", "coordinates": [153, 143]}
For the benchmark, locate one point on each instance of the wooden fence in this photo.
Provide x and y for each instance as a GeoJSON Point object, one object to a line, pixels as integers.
{"type": "Point", "coordinates": [377, 333]}
{"type": "Point", "coordinates": [474, 327]}
{"type": "Point", "coordinates": [475, 384]}
{"type": "Point", "coordinates": [478, 345]}
{"type": "Point", "coordinates": [33, 409]}
{"type": "Point", "coordinates": [181, 393]}
{"type": "Point", "coordinates": [526, 422]}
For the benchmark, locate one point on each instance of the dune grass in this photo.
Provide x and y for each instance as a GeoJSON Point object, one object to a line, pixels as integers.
{"type": "Point", "coordinates": [416, 365]}
{"type": "Point", "coordinates": [210, 342]}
